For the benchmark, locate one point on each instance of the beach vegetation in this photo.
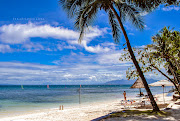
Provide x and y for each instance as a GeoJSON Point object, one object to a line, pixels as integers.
{"type": "Point", "coordinates": [162, 54]}
{"type": "Point", "coordinates": [171, 2]}
{"type": "Point", "coordinates": [130, 113]}
{"type": "Point", "coordinates": [85, 11]}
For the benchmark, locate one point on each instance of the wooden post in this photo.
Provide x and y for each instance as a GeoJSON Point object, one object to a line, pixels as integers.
{"type": "Point", "coordinates": [80, 94]}
{"type": "Point", "coordinates": [163, 93]}
{"type": "Point", "coordinates": [61, 107]}
{"type": "Point", "coordinates": [140, 92]}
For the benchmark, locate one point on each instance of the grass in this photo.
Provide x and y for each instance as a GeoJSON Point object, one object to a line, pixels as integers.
{"type": "Point", "coordinates": [126, 113]}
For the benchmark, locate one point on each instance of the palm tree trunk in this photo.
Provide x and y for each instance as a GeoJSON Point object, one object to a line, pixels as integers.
{"type": "Point", "coordinates": [176, 63]}
{"type": "Point", "coordinates": [153, 102]}
{"type": "Point", "coordinates": [172, 69]}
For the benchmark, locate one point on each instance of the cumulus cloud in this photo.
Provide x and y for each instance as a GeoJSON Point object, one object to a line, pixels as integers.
{"type": "Point", "coordinates": [19, 33]}
{"type": "Point", "coordinates": [96, 49]}
{"type": "Point", "coordinates": [26, 73]}
{"type": "Point", "coordinates": [64, 46]}
{"type": "Point", "coordinates": [33, 47]}
{"type": "Point", "coordinates": [170, 8]}
{"type": "Point", "coordinates": [25, 65]}
{"type": "Point", "coordinates": [5, 48]}
{"type": "Point", "coordinates": [96, 68]}
{"type": "Point", "coordinates": [77, 68]}
{"type": "Point", "coordinates": [22, 34]}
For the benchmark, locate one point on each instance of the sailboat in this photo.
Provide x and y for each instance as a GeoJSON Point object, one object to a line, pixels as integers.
{"type": "Point", "coordinates": [47, 86]}
{"type": "Point", "coordinates": [22, 87]}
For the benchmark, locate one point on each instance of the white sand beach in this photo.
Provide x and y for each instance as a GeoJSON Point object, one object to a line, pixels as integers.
{"type": "Point", "coordinates": [87, 112]}
{"type": "Point", "coordinates": [77, 113]}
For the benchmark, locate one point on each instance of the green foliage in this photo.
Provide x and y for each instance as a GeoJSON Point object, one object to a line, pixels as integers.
{"type": "Point", "coordinates": [126, 113]}
{"type": "Point", "coordinates": [85, 11]}
{"type": "Point", "coordinates": [164, 52]}
{"type": "Point", "coordinates": [171, 2]}
{"type": "Point", "coordinates": [167, 45]}
{"type": "Point", "coordinates": [144, 59]}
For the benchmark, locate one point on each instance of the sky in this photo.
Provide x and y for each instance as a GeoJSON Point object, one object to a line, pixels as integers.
{"type": "Point", "coordinates": [39, 44]}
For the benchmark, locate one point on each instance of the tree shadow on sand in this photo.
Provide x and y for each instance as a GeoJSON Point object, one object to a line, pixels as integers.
{"type": "Point", "coordinates": [137, 115]}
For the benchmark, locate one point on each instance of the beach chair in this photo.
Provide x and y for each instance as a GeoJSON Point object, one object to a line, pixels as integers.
{"type": "Point", "coordinates": [138, 103]}
{"type": "Point", "coordinates": [126, 103]}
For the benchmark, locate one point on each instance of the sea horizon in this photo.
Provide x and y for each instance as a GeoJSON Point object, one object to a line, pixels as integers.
{"type": "Point", "coordinates": [15, 98]}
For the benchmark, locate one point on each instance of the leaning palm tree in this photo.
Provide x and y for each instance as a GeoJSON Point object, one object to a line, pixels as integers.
{"type": "Point", "coordinates": [85, 11]}
{"type": "Point", "coordinates": [167, 44]}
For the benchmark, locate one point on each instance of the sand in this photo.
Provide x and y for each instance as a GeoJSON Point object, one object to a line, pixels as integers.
{"type": "Point", "coordinates": [87, 112]}
{"type": "Point", "coordinates": [77, 113]}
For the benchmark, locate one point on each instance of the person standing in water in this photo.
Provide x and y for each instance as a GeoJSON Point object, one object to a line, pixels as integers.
{"type": "Point", "coordinates": [124, 95]}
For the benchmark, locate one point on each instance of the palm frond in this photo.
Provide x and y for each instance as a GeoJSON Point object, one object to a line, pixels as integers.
{"type": "Point", "coordinates": [132, 13]}
{"type": "Point", "coordinates": [115, 26]}
{"type": "Point", "coordinates": [72, 6]}
{"type": "Point", "coordinates": [145, 5]}
{"type": "Point", "coordinates": [85, 16]}
{"type": "Point", "coordinates": [171, 2]}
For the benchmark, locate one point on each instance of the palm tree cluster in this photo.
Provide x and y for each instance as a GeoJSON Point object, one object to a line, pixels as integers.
{"type": "Point", "coordinates": [167, 46]}
{"type": "Point", "coordinates": [164, 52]}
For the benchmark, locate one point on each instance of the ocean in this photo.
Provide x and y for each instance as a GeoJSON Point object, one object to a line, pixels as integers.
{"type": "Point", "coordinates": [35, 97]}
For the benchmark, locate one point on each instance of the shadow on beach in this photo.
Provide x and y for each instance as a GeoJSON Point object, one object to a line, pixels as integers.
{"type": "Point", "coordinates": [143, 114]}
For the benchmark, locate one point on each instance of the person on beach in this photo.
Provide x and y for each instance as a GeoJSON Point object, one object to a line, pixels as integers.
{"type": "Point", "coordinates": [141, 94]}
{"type": "Point", "coordinates": [124, 95]}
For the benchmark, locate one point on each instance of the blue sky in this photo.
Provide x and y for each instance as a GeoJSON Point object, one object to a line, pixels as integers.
{"type": "Point", "coordinates": [38, 44]}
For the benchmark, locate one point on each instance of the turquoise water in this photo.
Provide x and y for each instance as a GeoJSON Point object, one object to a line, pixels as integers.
{"type": "Point", "coordinates": [35, 97]}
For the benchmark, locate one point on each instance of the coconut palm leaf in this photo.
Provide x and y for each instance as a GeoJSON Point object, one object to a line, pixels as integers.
{"type": "Point", "coordinates": [85, 16]}
{"type": "Point", "coordinates": [146, 5]}
{"type": "Point", "coordinates": [115, 26]}
{"type": "Point", "coordinates": [132, 13]}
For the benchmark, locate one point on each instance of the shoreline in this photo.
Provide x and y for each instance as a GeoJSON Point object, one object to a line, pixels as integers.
{"type": "Point", "coordinates": [13, 113]}
{"type": "Point", "coordinates": [82, 112]}
{"type": "Point", "coordinates": [75, 110]}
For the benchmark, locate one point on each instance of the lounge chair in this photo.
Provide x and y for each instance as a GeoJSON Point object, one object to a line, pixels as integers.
{"type": "Point", "coordinates": [127, 103]}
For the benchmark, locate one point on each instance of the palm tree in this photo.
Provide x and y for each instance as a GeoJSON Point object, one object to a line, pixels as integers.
{"type": "Point", "coordinates": [85, 11]}
{"type": "Point", "coordinates": [167, 46]}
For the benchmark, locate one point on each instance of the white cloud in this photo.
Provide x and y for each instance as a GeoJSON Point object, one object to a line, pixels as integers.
{"type": "Point", "coordinates": [25, 65]}
{"type": "Point", "coordinates": [93, 32]}
{"type": "Point", "coordinates": [26, 73]}
{"type": "Point", "coordinates": [131, 34]}
{"type": "Point", "coordinates": [96, 49]}
{"type": "Point", "coordinates": [112, 58]}
{"type": "Point", "coordinates": [143, 13]}
{"type": "Point", "coordinates": [170, 8]}
{"type": "Point", "coordinates": [22, 34]}
{"type": "Point", "coordinates": [72, 69]}
{"type": "Point", "coordinates": [19, 33]}
{"type": "Point", "coordinates": [98, 68]}
{"type": "Point", "coordinates": [32, 47]}
{"type": "Point", "coordinates": [5, 48]}
{"type": "Point", "coordinates": [64, 46]}
{"type": "Point", "coordinates": [70, 47]}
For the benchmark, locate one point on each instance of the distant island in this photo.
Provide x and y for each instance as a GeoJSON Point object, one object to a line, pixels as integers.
{"type": "Point", "coordinates": [119, 82]}
{"type": "Point", "coordinates": [122, 81]}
